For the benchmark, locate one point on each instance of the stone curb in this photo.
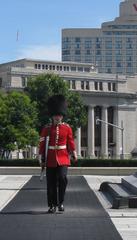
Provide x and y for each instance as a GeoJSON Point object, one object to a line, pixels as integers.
{"type": "Point", "coordinates": [110, 171]}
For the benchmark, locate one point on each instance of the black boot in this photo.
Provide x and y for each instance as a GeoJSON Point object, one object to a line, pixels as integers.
{"type": "Point", "coordinates": [52, 209]}
{"type": "Point", "coordinates": [61, 208]}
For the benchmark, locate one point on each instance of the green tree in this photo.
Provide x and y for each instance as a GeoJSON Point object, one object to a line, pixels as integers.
{"type": "Point", "coordinates": [41, 87]}
{"type": "Point", "coordinates": [18, 118]}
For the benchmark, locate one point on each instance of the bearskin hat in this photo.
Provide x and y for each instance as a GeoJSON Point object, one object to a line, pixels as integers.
{"type": "Point", "coordinates": [57, 105]}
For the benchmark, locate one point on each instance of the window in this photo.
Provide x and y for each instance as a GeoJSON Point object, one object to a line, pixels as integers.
{"type": "Point", "coordinates": [66, 52]}
{"type": "Point", "coordinates": [100, 86]}
{"type": "Point", "coordinates": [86, 69]}
{"type": "Point", "coordinates": [36, 66]}
{"type": "Point", "coordinates": [88, 43]}
{"type": "Point", "coordinates": [77, 52]}
{"type": "Point", "coordinates": [98, 52]}
{"type": "Point", "coordinates": [108, 45]}
{"type": "Point", "coordinates": [80, 69]}
{"type": "Point", "coordinates": [114, 87]}
{"type": "Point", "coordinates": [129, 64]}
{"type": "Point", "coordinates": [108, 70]}
{"type": "Point", "coordinates": [96, 85]}
{"type": "Point", "coordinates": [119, 64]}
{"type": "Point", "coordinates": [77, 45]}
{"type": "Point", "coordinates": [73, 84]}
{"type": "Point", "coordinates": [82, 85]}
{"type": "Point", "coordinates": [109, 86]}
{"type": "Point", "coordinates": [23, 81]}
{"type": "Point", "coordinates": [73, 69]}
{"type": "Point", "coordinates": [77, 39]}
{"type": "Point", "coordinates": [88, 52]}
{"type": "Point", "coordinates": [87, 85]}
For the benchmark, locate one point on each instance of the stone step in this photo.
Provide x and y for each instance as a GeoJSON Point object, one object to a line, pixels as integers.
{"type": "Point", "coordinates": [130, 182]}
{"type": "Point", "coordinates": [119, 195]}
{"type": "Point", "coordinates": [117, 189]}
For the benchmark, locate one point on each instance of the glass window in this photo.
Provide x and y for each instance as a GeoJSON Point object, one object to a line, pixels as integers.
{"type": "Point", "coordinates": [129, 58]}
{"type": "Point", "coordinates": [109, 86]}
{"type": "Point", "coordinates": [114, 87]}
{"type": "Point", "coordinates": [96, 85]}
{"type": "Point", "coordinates": [80, 69]}
{"type": "Point", "coordinates": [88, 43]}
{"type": "Point", "coordinates": [36, 66]}
{"type": "Point", "coordinates": [88, 52]}
{"type": "Point", "coordinates": [108, 70]}
{"type": "Point", "coordinates": [73, 84]}
{"type": "Point", "coordinates": [118, 58]}
{"type": "Point", "coordinates": [77, 52]}
{"type": "Point", "coordinates": [39, 66]}
{"type": "Point", "coordinates": [100, 86]}
{"type": "Point", "coordinates": [78, 58]}
{"type": "Point", "coordinates": [82, 85]}
{"type": "Point", "coordinates": [73, 69]}
{"type": "Point", "coordinates": [119, 64]}
{"type": "Point", "coordinates": [129, 64]}
{"type": "Point", "coordinates": [77, 39]}
{"type": "Point", "coordinates": [23, 81]}
{"type": "Point", "coordinates": [108, 45]}
{"type": "Point", "coordinates": [98, 52]}
{"type": "Point", "coordinates": [128, 46]}
{"type": "Point", "coordinates": [98, 45]}
{"type": "Point", "coordinates": [108, 64]}
{"type": "Point", "coordinates": [87, 85]}
{"type": "Point", "coordinates": [86, 69]}
{"type": "Point", "coordinates": [66, 52]}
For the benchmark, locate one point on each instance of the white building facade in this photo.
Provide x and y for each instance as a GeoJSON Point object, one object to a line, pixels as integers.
{"type": "Point", "coordinates": [111, 98]}
{"type": "Point", "coordinates": [113, 47]}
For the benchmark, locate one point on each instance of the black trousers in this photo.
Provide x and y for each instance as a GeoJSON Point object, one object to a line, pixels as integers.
{"type": "Point", "coordinates": [56, 184]}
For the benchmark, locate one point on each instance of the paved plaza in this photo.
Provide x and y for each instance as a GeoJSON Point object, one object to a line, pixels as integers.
{"type": "Point", "coordinates": [125, 220]}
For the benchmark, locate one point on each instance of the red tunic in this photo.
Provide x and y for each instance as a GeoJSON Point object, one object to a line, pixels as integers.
{"type": "Point", "coordinates": [61, 143]}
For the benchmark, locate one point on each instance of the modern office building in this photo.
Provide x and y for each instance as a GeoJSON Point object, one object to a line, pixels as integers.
{"type": "Point", "coordinates": [113, 47]}
{"type": "Point", "coordinates": [110, 98]}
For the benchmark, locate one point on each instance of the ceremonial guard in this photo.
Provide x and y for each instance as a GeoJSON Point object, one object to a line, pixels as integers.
{"type": "Point", "coordinates": [56, 145]}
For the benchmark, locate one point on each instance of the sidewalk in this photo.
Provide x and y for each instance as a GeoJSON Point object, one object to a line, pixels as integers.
{"type": "Point", "coordinates": [125, 220]}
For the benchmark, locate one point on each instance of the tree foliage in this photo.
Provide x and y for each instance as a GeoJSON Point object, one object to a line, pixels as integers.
{"type": "Point", "coordinates": [18, 117]}
{"type": "Point", "coordinates": [41, 87]}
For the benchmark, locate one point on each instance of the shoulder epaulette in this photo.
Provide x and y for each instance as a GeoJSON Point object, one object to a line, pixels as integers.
{"type": "Point", "coordinates": [66, 124]}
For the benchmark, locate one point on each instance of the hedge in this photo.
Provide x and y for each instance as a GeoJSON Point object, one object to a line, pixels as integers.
{"type": "Point", "coordinates": [81, 163]}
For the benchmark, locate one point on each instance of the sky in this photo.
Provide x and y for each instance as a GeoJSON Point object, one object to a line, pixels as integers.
{"type": "Point", "coordinates": [32, 28]}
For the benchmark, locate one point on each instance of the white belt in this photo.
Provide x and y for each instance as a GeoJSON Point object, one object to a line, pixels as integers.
{"type": "Point", "coordinates": [57, 147]}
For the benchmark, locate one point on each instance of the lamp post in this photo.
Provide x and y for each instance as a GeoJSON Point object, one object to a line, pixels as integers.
{"type": "Point", "coordinates": [122, 133]}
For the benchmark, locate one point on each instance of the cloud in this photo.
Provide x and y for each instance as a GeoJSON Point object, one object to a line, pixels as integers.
{"type": "Point", "coordinates": [51, 52]}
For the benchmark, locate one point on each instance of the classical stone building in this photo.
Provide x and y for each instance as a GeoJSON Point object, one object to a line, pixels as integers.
{"type": "Point", "coordinates": [113, 47]}
{"type": "Point", "coordinates": [111, 98]}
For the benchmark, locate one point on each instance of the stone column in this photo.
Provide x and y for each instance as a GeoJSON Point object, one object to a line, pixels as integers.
{"type": "Point", "coordinates": [104, 133]}
{"type": "Point", "coordinates": [91, 132]}
{"type": "Point", "coordinates": [78, 145]}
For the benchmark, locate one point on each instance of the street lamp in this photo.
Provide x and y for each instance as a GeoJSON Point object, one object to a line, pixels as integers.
{"type": "Point", "coordinates": [118, 127]}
